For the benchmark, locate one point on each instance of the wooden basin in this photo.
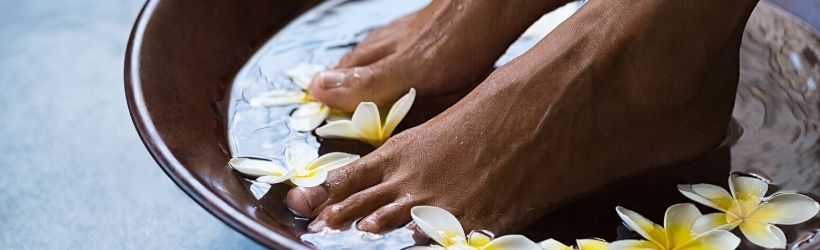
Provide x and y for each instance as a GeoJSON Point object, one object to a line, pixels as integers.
{"type": "Point", "coordinates": [181, 58]}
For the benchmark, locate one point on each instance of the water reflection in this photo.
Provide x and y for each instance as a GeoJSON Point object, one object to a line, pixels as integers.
{"type": "Point", "coordinates": [350, 238]}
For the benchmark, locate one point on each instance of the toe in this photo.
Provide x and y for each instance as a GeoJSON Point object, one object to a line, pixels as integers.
{"type": "Point", "coordinates": [354, 207]}
{"type": "Point", "coordinates": [343, 89]}
{"type": "Point", "coordinates": [303, 201]}
{"type": "Point", "coordinates": [340, 184]}
{"type": "Point", "coordinates": [366, 53]}
{"type": "Point", "coordinates": [386, 218]}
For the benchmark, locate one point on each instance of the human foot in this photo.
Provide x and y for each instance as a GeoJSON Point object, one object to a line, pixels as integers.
{"type": "Point", "coordinates": [592, 103]}
{"type": "Point", "coordinates": [441, 50]}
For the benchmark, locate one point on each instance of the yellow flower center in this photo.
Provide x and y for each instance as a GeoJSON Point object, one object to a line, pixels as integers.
{"type": "Point", "coordinates": [741, 210]}
{"type": "Point", "coordinates": [306, 172]}
{"type": "Point", "coordinates": [306, 97]}
{"type": "Point", "coordinates": [452, 238]}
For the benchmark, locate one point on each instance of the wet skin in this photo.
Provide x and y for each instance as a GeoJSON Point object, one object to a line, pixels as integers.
{"type": "Point", "coordinates": [438, 50]}
{"type": "Point", "coordinates": [620, 88]}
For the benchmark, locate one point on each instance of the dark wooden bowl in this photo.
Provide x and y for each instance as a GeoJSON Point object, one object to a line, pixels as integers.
{"type": "Point", "coordinates": [181, 59]}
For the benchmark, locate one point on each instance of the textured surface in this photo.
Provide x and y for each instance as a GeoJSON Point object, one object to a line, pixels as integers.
{"type": "Point", "coordinates": [74, 174]}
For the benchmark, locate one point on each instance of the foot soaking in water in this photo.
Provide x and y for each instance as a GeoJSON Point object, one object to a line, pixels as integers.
{"type": "Point", "coordinates": [448, 124]}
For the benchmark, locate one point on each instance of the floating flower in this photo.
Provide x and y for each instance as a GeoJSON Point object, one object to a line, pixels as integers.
{"type": "Point", "coordinates": [747, 208]}
{"type": "Point", "coordinates": [676, 234]}
{"type": "Point", "coordinates": [305, 168]}
{"type": "Point", "coordinates": [366, 124]}
{"type": "Point", "coordinates": [444, 228]}
{"type": "Point", "coordinates": [310, 113]}
{"type": "Point", "coordinates": [585, 244]}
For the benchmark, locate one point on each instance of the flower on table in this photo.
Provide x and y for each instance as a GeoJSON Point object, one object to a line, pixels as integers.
{"type": "Point", "coordinates": [444, 229]}
{"type": "Point", "coordinates": [310, 113]}
{"type": "Point", "coordinates": [304, 167]}
{"type": "Point", "coordinates": [675, 234]}
{"type": "Point", "coordinates": [585, 244]}
{"type": "Point", "coordinates": [748, 208]}
{"type": "Point", "coordinates": [367, 124]}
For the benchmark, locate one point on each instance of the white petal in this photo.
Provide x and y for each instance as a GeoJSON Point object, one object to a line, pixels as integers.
{"type": "Point", "coordinates": [633, 245]}
{"type": "Point", "coordinates": [274, 179]}
{"type": "Point", "coordinates": [367, 121]}
{"type": "Point", "coordinates": [646, 228]}
{"type": "Point", "coordinates": [716, 239]}
{"type": "Point", "coordinates": [303, 73]}
{"type": "Point", "coordinates": [678, 223]}
{"type": "Point", "coordinates": [254, 167]}
{"type": "Point", "coordinates": [552, 244]}
{"type": "Point", "coordinates": [278, 98]}
{"type": "Point", "coordinates": [397, 112]}
{"type": "Point", "coordinates": [338, 130]}
{"type": "Point", "coordinates": [707, 194]}
{"type": "Point", "coordinates": [309, 116]}
{"type": "Point", "coordinates": [588, 244]}
{"type": "Point", "coordinates": [764, 235]}
{"type": "Point", "coordinates": [331, 161]}
{"type": "Point", "coordinates": [336, 115]}
{"type": "Point", "coordinates": [747, 188]}
{"type": "Point", "coordinates": [786, 209]}
{"type": "Point", "coordinates": [512, 241]}
{"type": "Point", "coordinates": [714, 221]}
{"type": "Point", "coordinates": [299, 155]}
{"type": "Point", "coordinates": [316, 178]}
{"type": "Point", "coordinates": [437, 223]}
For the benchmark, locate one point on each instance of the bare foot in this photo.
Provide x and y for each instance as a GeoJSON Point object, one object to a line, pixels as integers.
{"type": "Point", "coordinates": [619, 89]}
{"type": "Point", "coordinates": [445, 48]}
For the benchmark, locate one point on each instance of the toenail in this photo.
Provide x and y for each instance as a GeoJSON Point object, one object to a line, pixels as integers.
{"type": "Point", "coordinates": [331, 79]}
{"type": "Point", "coordinates": [368, 224]}
{"type": "Point", "coordinates": [317, 225]}
{"type": "Point", "coordinates": [336, 208]}
{"type": "Point", "coordinates": [314, 196]}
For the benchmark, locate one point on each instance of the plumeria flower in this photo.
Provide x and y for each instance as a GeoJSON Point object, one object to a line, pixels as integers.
{"type": "Point", "coordinates": [367, 124]}
{"type": "Point", "coordinates": [676, 234]}
{"type": "Point", "coordinates": [444, 229]}
{"type": "Point", "coordinates": [305, 168]}
{"type": "Point", "coordinates": [310, 113]}
{"type": "Point", "coordinates": [747, 208]}
{"type": "Point", "coordinates": [585, 244]}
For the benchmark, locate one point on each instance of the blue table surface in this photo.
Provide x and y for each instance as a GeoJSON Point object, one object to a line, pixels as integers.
{"type": "Point", "coordinates": [73, 172]}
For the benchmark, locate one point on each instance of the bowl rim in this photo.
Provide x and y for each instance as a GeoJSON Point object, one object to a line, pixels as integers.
{"type": "Point", "coordinates": [172, 167]}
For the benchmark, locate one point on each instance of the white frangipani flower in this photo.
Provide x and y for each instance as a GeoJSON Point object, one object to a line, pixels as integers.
{"type": "Point", "coordinates": [676, 234]}
{"type": "Point", "coordinates": [310, 113]}
{"type": "Point", "coordinates": [303, 73]}
{"type": "Point", "coordinates": [585, 244]}
{"type": "Point", "coordinates": [366, 124]}
{"type": "Point", "coordinates": [747, 207]}
{"type": "Point", "coordinates": [305, 168]}
{"type": "Point", "coordinates": [444, 228]}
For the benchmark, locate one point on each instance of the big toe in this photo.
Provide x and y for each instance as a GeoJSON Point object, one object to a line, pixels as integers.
{"type": "Point", "coordinates": [344, 89]}
{"type": "Point", "coordinates": [305, 201]}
